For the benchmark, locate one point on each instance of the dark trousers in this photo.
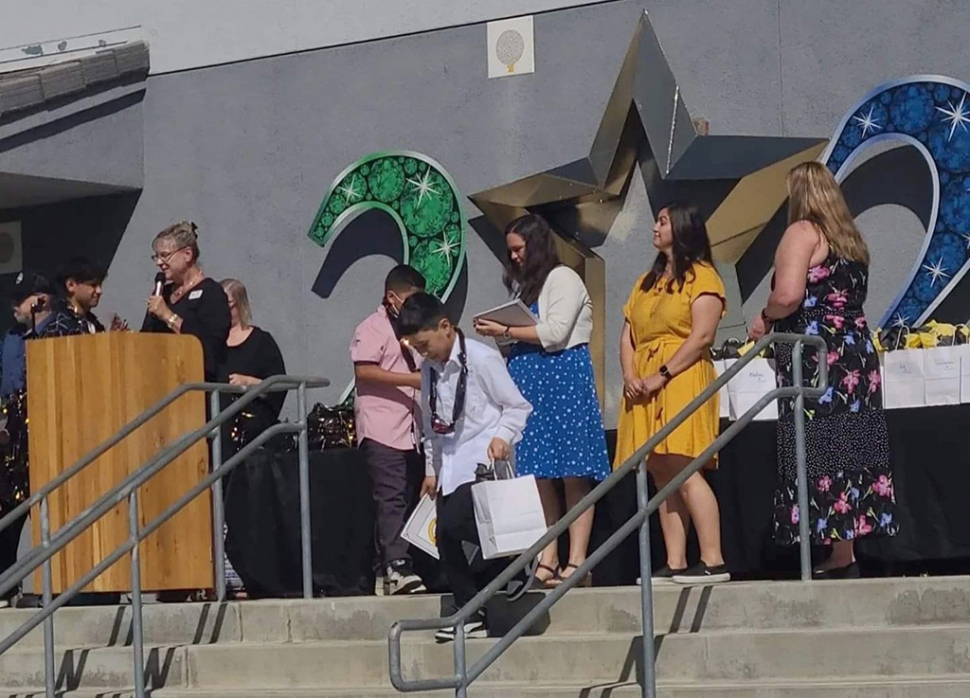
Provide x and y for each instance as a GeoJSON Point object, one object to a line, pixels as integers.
{"type": "Point", "coordinates": [396, 481]}
{"type": "Point", "coordinates": [458, 547]}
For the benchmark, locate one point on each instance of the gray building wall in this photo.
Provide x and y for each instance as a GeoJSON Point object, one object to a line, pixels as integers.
{"type": "Point", "coordinates": [247, 150]}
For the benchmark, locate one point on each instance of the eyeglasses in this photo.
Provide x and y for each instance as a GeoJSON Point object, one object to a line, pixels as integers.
{"type": "Point", "coordinates": [438, 425]}
{"type": "Point", "coordinates": [165, 256]}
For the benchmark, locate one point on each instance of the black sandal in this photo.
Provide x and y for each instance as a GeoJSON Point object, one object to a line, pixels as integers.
{"type": "Point", "coordinates": [584, 582]}
{"type": "Point", "coordinates": [550, 583]}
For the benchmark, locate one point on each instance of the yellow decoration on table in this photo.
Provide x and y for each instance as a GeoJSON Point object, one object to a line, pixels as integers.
{"type": "Point", "coordinates": [745, 348]}
{"type": "Point", "coordinates": [876, 342]}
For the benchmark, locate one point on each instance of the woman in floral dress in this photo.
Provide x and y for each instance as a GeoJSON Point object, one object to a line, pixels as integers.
{"type": "Point", "coordinates": [820, 285]}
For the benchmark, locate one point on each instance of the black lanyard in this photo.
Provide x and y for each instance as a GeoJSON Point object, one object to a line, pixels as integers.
{"type": "Point", "coordinates": [438, 425]}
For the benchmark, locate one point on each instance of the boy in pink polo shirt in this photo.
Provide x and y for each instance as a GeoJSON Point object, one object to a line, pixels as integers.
{"type": "Point", "coordinates": [386, 407]}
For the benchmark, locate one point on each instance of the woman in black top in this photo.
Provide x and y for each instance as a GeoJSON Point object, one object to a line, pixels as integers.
{"type": "Point", "coordinates": [252, 355]}
{"type": "Point", "coordinates": [190, 302]}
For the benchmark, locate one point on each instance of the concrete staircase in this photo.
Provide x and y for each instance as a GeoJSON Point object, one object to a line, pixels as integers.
{"type": "Point", "coordinates": [898, 638]}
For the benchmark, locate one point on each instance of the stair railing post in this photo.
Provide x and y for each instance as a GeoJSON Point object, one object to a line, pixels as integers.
{"type": "Point", "coordinates": [461, 670]}
{"type": "Point", "coordinates": [649, 686]}
{"type": "Point", "coordinates": [304, 453]}
{"type": "Point", "coordinates": [801, 468]}
{"type": "Point", "coordinates": [137, 628]}
{"type": "Point", "coordinates": [48, 598]}
{"type": "Point", "coordinates": [218, 513]}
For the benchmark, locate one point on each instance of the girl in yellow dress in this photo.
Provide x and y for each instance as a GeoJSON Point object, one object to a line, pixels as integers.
{"type": "Point", "coordinates": [671, 319]}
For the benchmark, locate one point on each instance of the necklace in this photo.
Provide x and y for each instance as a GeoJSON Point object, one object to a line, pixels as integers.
{"type": "Point", "coordinates": [186, 287]}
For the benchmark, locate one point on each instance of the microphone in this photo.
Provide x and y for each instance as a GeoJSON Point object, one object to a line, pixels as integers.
{"type": "Point", "coordinates": [159, 283]}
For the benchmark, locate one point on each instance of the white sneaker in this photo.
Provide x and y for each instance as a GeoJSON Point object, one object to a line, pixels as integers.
{"type": "Point", "coordinates": [400, 580]}
{"type": "Point", "coordinates": [474, 630]}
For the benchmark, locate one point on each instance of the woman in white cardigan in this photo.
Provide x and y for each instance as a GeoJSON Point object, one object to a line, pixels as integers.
{"type": "Point", "coordinates": [551, 365]}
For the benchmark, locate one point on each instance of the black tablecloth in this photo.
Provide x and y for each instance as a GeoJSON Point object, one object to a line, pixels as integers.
{"type": "Point", "coordinates": [931, 466]}
{"type": "Point", "coordinates": [263, 517]}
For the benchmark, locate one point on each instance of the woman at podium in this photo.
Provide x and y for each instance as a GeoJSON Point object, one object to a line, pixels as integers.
{"type": "Point", "coordinates": [185, 300]}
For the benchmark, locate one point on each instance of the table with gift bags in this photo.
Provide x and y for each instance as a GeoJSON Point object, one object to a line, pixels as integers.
{"type": "Point", "coordinates": [926, 383]}
{"type": "Point", "coordinates": [925, 375]}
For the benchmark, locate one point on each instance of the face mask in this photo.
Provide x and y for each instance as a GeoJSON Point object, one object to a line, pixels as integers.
{"type": "Point", "coordinates": [389, 306]}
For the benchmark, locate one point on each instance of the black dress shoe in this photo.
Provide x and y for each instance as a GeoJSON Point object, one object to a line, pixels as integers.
{"type": "Point", "coordinates": [848, 572]}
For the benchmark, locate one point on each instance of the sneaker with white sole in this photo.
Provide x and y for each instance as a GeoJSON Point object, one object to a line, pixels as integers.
{"type": "Point", "coordinates": [400, 579]}
{"type": "Point", "coordinates": [701, 574]}
{"type": "Point", "coordinates": [474, 630]}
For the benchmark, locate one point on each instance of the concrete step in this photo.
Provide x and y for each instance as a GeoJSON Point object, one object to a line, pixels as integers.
{"type": "Point", "coordinates": [91, 668]}
{"type": "Point", "coordinates": [103, 626]}
{"type": "Point", "coordinates": [857, 687]}
{"type": "Point", "coordinates": [753, 605]}
{"type": "Point", "coordinates": [772, 655]}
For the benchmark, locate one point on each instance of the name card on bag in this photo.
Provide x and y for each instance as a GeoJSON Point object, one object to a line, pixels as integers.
{"type": "Point", "coordinates": [752, 383]}
{"type": "Point", "coordinates": [903, 379]}
{"type": "Point", "coordinates": [943, 375]}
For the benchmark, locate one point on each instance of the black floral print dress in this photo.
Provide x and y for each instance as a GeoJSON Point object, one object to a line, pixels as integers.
{"type": "Point", "coordinates": [847, 445]}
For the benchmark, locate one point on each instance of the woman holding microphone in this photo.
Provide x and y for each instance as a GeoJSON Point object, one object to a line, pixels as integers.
{"type": "Point", "coordinates": [189, 302]}
{"type": "Point", "coordinates": [551, 365]}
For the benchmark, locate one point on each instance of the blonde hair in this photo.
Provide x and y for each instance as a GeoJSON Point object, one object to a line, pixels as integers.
{"type": "Point", "coordinates": [815, 196]}
{"type": "Point", "coordinates": [184, 234]}
{"type": "Point", "coordinates": [237, 291]}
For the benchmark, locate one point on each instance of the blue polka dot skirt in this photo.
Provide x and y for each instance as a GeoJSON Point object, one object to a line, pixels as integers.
{"type": "Point", "coordinates": [564, 436]}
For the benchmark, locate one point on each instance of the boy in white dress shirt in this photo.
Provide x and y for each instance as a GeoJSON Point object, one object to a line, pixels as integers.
{"type": "Point", "coordinates": [472, 414]}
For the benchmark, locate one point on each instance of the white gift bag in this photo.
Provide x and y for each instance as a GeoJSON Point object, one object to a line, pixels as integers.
{"type": "Point", "coordinates": [964, 351]}
{"type": "Point", "coordinates": [508, 515]}
{"type": "Point", "coordinates": [753, 382]}
{"type": "Point", "coordinates": [421, 529]}
{"type": "Point", "coordinates": [903, 379]}
{"type": "Point", "coordinates": [942, 366]}
{"type": "Point", "coordinates": [723, 397]}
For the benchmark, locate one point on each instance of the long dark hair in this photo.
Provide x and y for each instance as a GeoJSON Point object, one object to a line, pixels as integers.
{"type": "Point", "coordinates": [691, 245]}
{"type": "Point", "coordinates": [541, 257]}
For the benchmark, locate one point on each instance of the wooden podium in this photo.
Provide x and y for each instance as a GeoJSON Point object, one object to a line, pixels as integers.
{"type": "Point", "coordinates": [81, 391]}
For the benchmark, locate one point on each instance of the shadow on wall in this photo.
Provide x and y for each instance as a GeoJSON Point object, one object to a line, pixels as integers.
{"type": "Point", "coordinates": [54, 233]}
{"type": "Point", "coordinates": [375, 232]}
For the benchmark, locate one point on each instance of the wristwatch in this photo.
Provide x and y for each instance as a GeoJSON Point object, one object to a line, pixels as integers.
{"type": "Point", "coordinates": [508, 333]}
{"type": "Point", "coordinates": [665, 372]}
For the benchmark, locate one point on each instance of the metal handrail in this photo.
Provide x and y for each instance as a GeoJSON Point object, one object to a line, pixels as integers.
{"type": "Point", "coordinates": [127, 489]}
{"type": "Point", "coordinates": [465, 675]}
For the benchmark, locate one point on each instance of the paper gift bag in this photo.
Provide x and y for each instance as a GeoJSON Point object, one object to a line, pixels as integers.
{"type": "Point", "coordinates": [964, 351]}
{"type": "Point", "coordinates": [723, 398]}
{"type": "Point", "coordinates": [904, 379]}
{"type": "Point", "coordinates": [508, 515]}
{"type": "Point", "coordinates": [942, 364]}
{"type": "Point", "coordinates": [421, 528]}
{"type": "Point", "coordinates": [752, 383]}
